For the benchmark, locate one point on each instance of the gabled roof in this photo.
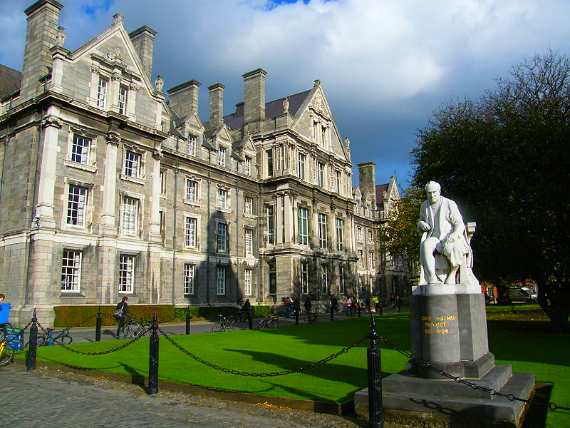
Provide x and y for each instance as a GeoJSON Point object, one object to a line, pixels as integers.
{"type": "Point", "coordinates": [272, 109]}
{"type": "Point", "coordinates": [10, 81]}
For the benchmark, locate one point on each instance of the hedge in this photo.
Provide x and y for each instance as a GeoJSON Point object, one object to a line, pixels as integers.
{"type": "Point", "coordinates": [84, 316]}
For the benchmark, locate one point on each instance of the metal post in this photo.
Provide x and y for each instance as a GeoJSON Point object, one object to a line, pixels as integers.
{"type": "Point", "coordinates": [332, 312]}
{"type": "Point", "coordinates": [375, 411]}
{"type": "Point", "coordinates": [250, 317]}
{"type": "Point", "coordinates": [188, 320]}
{"type": "Point", "coordinates": [98, 326]}
{"type": "Point", "coordinates": [153, 357]}
{"type": "Point", "coordinates": [33, 343]}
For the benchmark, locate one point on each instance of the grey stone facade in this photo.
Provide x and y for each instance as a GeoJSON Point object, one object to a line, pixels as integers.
{"type": "Point", "coordinates": [109, 189]}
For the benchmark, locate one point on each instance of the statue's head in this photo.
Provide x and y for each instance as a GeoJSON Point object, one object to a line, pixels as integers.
{"type": "Point", "coordinates": [433, 192]}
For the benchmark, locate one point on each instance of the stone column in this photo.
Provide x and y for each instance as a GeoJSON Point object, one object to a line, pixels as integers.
{"type": "Point", "coordinates": [113, 139]}
{"type": "Point", "coordinates": [44, 208]}
{"type": "Point", "coordinates": [155, 200]}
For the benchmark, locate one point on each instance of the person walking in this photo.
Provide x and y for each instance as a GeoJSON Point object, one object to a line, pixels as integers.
{"type": "Point", "coordinates": [121, 315]}
{"type": "Point", "coordinates": [349, 306]}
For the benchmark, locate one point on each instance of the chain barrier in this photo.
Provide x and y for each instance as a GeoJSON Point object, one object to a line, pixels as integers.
{"type": "Point", "coordinates": [261, 374]}
{"type": "Point", "coordinates": [458, 379]}
{"type": "Point", "coordinates": [108, 351]}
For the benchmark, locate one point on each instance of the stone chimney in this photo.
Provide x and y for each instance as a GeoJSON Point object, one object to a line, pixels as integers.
{"type": "Point", "coordinates": [184, 98]}
{"type": "Point", "coordinates": [41, 35]}
{"type": "Point", "coordinates": [254, 96]}
{"type": "Point", "coordinates": [216, 105]}
{"type": "Point", "coordinates": [367, 178]}
{"type": "Point", "coordinates": [143, 41]}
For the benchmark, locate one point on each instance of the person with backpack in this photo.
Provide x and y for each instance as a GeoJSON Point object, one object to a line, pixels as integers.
{"type": "Point", "coordinates": [121, 315]}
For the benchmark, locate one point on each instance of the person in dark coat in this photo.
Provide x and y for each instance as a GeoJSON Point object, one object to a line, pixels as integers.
{"type": "Point", "coordinates": [121, 315]}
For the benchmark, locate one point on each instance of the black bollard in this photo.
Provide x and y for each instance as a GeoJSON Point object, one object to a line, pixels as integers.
{"type": "Point", "coordinates": [332, 313]}
{"type": "Point", "coordinates": [188, 320]}
{"type": "Point", "coordinates": [375, 411]}
{"type": "Point", "coordinates": [153, 357]}
{"type": "Point", "coordinates": [250, 318]}
{"type": "Point", "coordinates": [33, 344]}
{"type": "Point", "coordinates": [98, 326]}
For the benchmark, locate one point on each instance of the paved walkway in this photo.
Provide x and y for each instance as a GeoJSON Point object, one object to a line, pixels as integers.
{"type": "Point", "coordinates": [44, 398]}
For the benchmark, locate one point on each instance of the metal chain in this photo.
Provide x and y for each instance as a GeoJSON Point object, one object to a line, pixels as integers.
{"type": "Point", "coordinates": [458, 379]}
{"type": "Point", "coordinates": [261, 374]}
{"type": "Point", "coordinates": [108, 351]}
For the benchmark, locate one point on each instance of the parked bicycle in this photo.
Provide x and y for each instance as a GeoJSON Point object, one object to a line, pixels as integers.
{"type": "Point", "coordinates": [55, 337]}
{"type": "Point", "coordinates": [6, 350]}
{"type": "Point", "coordinates": [270, 321]}
{"type": "Point", "coordinates": [224, 323]}
{"type": "Point", "coordinates": [135, 328]}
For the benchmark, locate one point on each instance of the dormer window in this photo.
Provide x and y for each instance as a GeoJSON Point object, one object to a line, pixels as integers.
{"type": "Point", "coordinates": [102, 92]}
{"type": "Point", "coordinates": [324, 136]}
{"type": "Point", "coordinates": [222, 156]}
{"type": "Point", "coordinates": [247, 166]}
{"type": "Point", "coordinates": [191, 145]}
{"type": "Point", "coordinates": [123, 97]}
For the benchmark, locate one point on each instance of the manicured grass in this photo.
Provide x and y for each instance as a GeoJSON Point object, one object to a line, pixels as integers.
{"type": "Point", "coordinates": [529, 347]}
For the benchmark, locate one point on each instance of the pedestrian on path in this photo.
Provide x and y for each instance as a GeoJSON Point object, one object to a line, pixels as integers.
{"type": "Point", "coordinates": [121, 315]}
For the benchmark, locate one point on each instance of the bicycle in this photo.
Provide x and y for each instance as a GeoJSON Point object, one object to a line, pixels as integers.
{"type": "Point", "coordinates": [6, 351]}
{"type": "Point", "coordinates": [55, 337]}
{"type": "Point", "coordinates": [224, 323]}
{"type": "Point", "coordinates": [134, 328]}
{"type": "Point", "coordinates": [270, 321]}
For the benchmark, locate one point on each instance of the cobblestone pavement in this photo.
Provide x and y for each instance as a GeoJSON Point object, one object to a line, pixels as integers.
{"type": "Point", "coordinates": [53, 398]}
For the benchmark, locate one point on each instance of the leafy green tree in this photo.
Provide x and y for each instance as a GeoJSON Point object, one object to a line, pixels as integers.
{"type": "Point", "coordinates": [505, 159]}
{"type": "Point", "coordinates": [398, 235]}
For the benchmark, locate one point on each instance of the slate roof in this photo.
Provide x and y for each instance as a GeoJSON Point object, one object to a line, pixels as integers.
{"type": "Point", "coordinates": [10, 81]}
{"type": "Point", "coordinates": [272, 109]}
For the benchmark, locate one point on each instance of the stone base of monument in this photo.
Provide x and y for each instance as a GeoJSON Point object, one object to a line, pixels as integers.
{"type": "Point", "coordinates": [449, 331]}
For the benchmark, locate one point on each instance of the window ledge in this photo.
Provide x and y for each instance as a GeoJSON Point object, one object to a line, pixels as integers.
{"type": "Point", "coordinates": [135, 180]}
{"type": "Point", "coordinates": [83, 167]}
{"type": "Point", "coordinates": [71, 294]}
{"type": "Point", "coordinates": [253, 216]}
{"type": "Point", "coordinates": [224, 210]}
{"type": "Point", "coordinates": [192, 204]}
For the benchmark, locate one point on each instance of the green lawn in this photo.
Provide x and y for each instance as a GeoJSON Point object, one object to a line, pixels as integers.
{"type": "Point", "coordinates": [529, 347]}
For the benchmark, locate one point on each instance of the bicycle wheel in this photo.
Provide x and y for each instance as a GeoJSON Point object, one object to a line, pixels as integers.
{"type": "Point", "coordinates": [64, 340]}
{"type": "Point", "coordinates": [6, 353]}
{"type": "Point", "coordinates": [41, 340]}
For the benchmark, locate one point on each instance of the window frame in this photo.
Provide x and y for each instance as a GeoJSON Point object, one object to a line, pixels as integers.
{"type": "Point", "coordinates": [322, 230]}
{"type": "Point", "coordinates": [196, 193]}
{"type": "Point", "coordinates": [339, 226]}
{"type": "Point", "coordinates": [248, 282]}
{"type": "Point", "coordinates": [221, 156]}
{"type": "Point", "coordinates": [101, 100]}
{"type": "Point", "coordinates": [71, 271]}
{"type": "Point", "coordinates": [221, 237]}
{"type": "Point", "coordinates": [301, 164]}
{"type": "Point", "coordinates": [85, 150]}
{"type": "Point", "coordinates": [303, 225]}
{"type": "Point", "coordinates": [304, 276]}
{"type": "Point", "coordinates": [221, 286]}
{"type": "Point", "coordinates": [123, 99]}
{"type": "Point", "coordinates": [135, 230]}
{"type": "Point", "coordinates": [128, 170]}
{"type": "Point", "coordinates": [248, 205]}
{"type": "Point", "coordinates": [270, 224]}
{"type": "Point", "coordinates": [127, 277]}
{"type": "Point", "coordinates": [189, 272]}
{"type": "Point", "coordinates": [248, 245]}
{"type": "Point", "coordinates": [83, 210]}
{"type": "Point", "coordinates": [188, 220]}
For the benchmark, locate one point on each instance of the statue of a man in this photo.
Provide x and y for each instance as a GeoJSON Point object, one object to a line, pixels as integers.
{"type": "Point", "coordinates": [443, 233]}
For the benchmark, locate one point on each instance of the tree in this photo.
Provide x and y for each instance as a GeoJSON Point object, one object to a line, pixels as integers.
{"type": "Point", "coordinates": [505, 159]}
{"type": "Point", "coordinates": [399, 236]}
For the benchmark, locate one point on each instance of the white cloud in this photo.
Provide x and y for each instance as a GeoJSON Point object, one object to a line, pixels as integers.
{"type": "Point", "coordinates": [392, 59]}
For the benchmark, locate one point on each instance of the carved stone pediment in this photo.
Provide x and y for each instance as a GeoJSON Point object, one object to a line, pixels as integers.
{"type": "Point", "coordinates": [319, 105]}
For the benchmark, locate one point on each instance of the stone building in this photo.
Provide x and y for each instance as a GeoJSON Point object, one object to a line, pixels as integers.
{"type": "Point", "coordinates": [112, 186]}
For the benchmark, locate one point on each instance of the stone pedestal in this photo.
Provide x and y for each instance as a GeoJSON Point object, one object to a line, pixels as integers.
{"type": "Point", "coordinates": [449, 330]}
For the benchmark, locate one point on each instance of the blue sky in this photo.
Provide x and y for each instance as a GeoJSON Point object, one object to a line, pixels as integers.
{"type": "Point", "coordinates": [385, 65]}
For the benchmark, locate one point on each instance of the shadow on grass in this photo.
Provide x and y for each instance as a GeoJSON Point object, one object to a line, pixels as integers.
{"type": "Point", "coordinates": [136, 377]}
{"type": "Point", "coordinates": [333, 372]}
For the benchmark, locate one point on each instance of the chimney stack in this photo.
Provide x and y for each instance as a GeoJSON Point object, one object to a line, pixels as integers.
{"type": "Point", "coordinates": [216, 105]}
{"type": "Point", "coordinates": [41, 35]}
{"type": "Point", "coordinates": [367, 178]}
{"type": "Point", "coordinates": [184, 98]}
{"type": "Point", "coordinates": [143, 41]}
{"type": "Point", "coordinates": [254, 96]}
